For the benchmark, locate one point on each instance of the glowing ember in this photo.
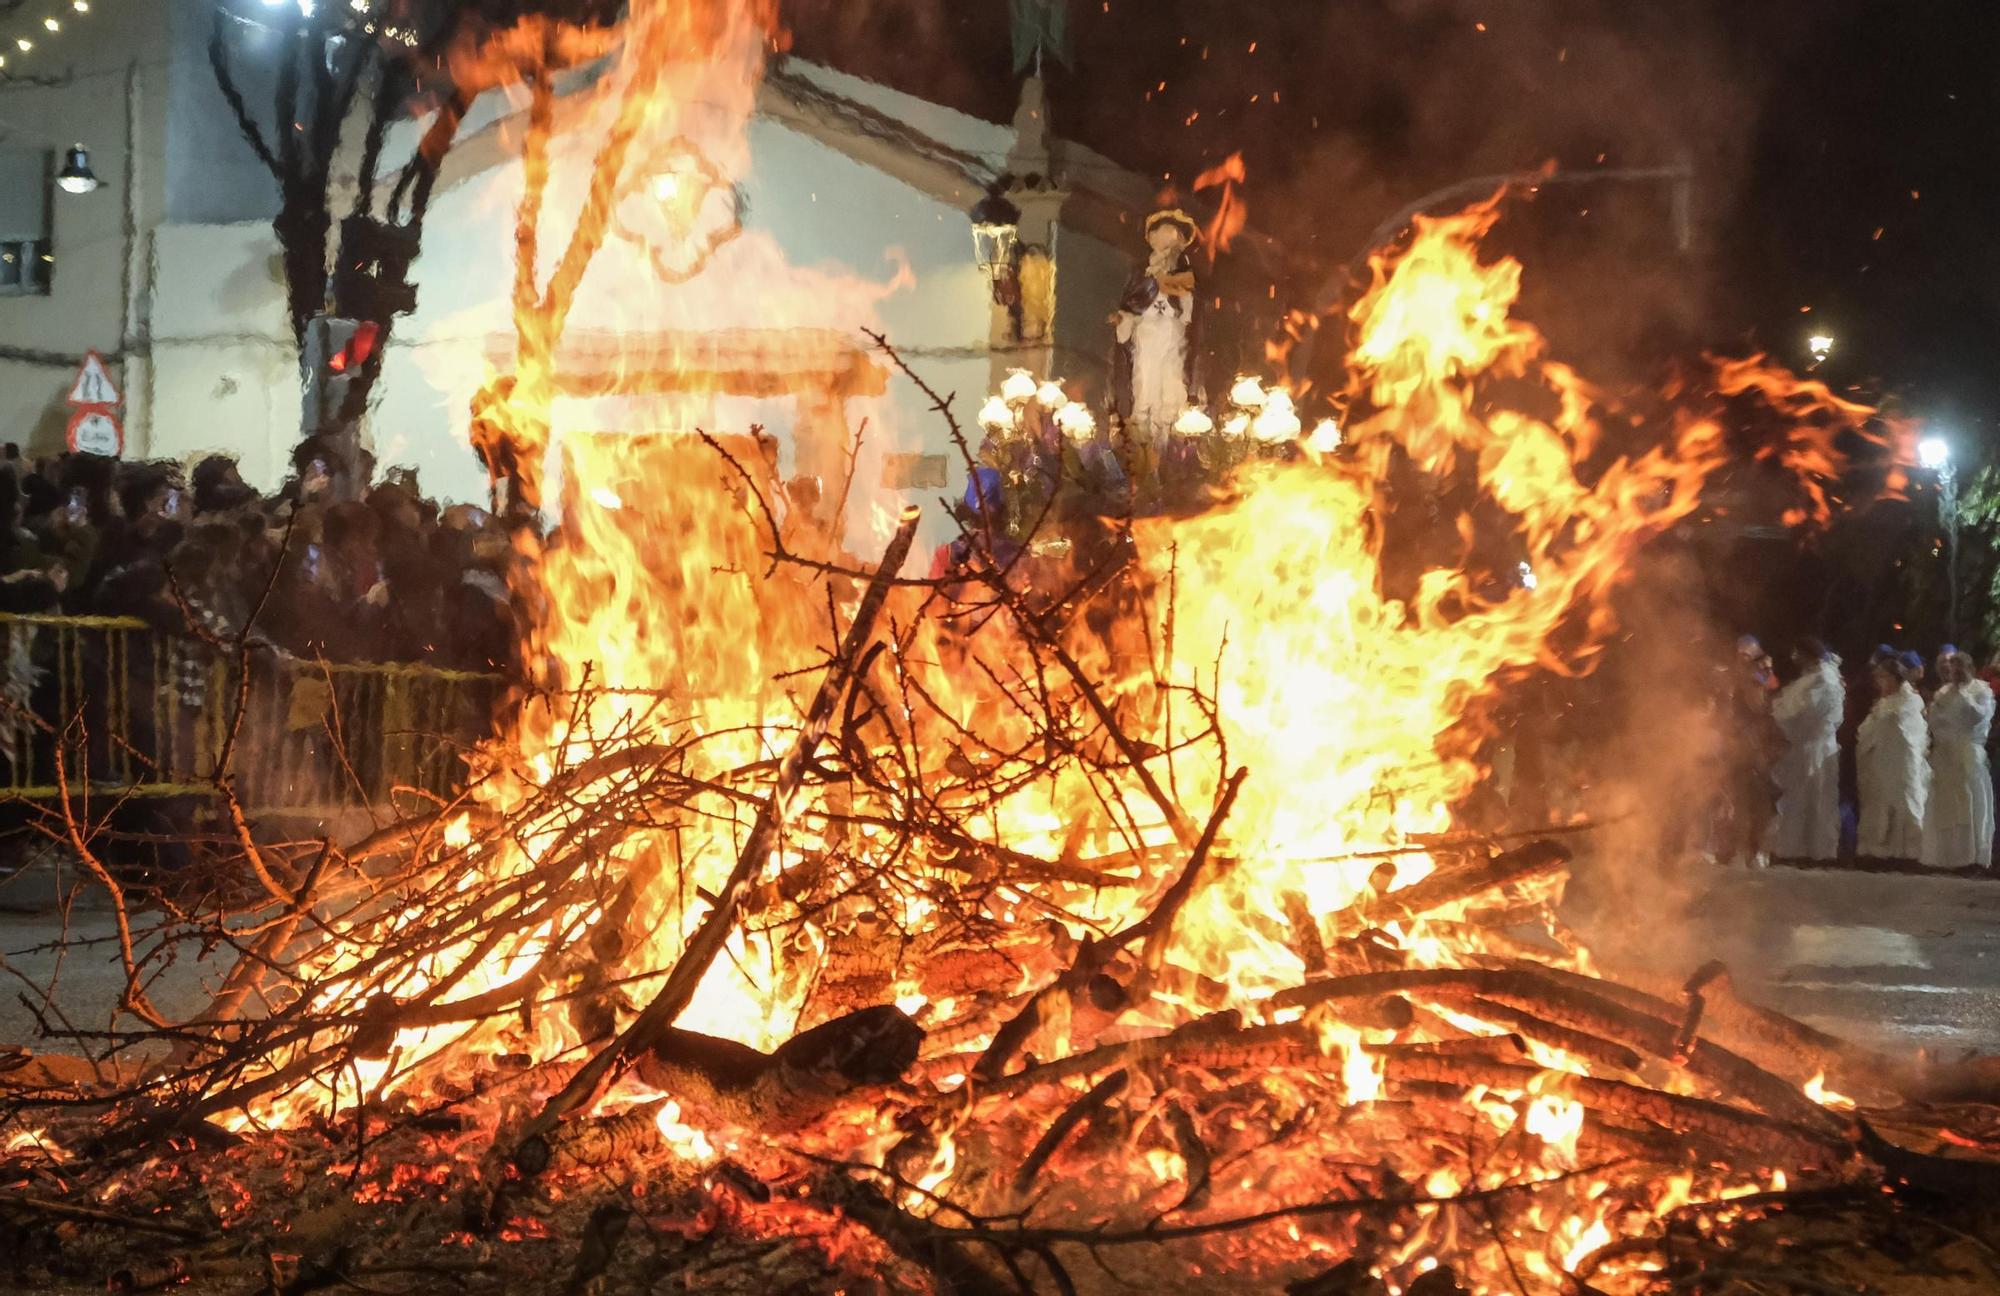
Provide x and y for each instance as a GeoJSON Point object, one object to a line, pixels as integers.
{"type": "Point", "coordinates": [1816, 1089]}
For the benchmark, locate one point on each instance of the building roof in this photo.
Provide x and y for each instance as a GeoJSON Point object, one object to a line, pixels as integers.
{"type": "Point", "coordinates": [948, 155]}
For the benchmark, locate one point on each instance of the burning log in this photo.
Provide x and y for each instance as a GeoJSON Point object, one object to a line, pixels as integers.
{"type": "Point", "coordinates": [793, 1086]}
{"type": "Point", "coordinates": [1953, 1178]}
{"type": "Point", "coordinates": [1220, 1043]}
{"type": "Point", "coordinates": [1749, 1133]}
{"type": "Point", "coordinates": [1775, 1041]}
{"type": "Point", "coordinates": [1533, 862]}
{"type": "Point", "coordinates": [595, 1143]}
{"type": "Point", "coordinates": [27, 1203]}
{"type": "Point", "coordinates": [1305, 933]}
{"type": "Point", "coordinates": [1093, 1101]}
{"type": "Point", "coordinates": [157, 1276]}
{"type": "Point", "coordinates": [1568, 1005]}
{"type": "Point", "coordinates": [1194, 1155]}
{"type": "Point", "coordinates": [1151, 931]}
{"type": "Point", "coordinates": [1601, 1053]}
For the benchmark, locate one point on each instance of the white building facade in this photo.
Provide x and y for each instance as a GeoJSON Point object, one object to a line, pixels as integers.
{"type": "Point", "coordinates": [853, 213]}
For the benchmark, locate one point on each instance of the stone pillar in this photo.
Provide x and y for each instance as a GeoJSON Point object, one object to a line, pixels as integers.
{"type": "Point", "coordinates": [1023, 334]}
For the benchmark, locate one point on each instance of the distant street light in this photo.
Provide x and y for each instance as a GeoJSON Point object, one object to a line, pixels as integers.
{"type": "Point", "coordinates": [1820, 345]}
{"type": "Point", "coordinates": [1934, 453]}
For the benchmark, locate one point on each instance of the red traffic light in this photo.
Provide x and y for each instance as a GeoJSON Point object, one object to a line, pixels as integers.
{"type": "Point", "coordinates": [358, 348]}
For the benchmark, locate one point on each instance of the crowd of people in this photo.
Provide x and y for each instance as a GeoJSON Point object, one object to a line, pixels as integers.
{"type": "Point", "coordinates": [390, 577]}
{"type": "Point", "coordinates": [1889, 766]}
{"type": "Point", "coordinates": [1892, 769]}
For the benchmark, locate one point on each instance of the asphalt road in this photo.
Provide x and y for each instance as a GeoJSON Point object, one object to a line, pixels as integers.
{"type": "Point", "coordinates": [1902, 962]}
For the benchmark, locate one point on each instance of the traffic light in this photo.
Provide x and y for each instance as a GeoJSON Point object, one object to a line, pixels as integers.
{"type": "Point", "coordinates": [336, 352]}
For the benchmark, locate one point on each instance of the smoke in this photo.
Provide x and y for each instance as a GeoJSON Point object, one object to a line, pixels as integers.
{"type": "Point", "coordinates": [1432, 93]}
{"type": "Point", "coordinates": [1644, 751]}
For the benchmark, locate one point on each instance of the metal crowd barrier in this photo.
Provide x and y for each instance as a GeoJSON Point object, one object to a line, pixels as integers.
{"type": "Point", "coordinates": [138, 712]}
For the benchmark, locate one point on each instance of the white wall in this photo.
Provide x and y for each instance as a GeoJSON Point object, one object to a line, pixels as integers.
{"type": "Point", "coordinates": [829, 244]}
{"type": "Point", "coordinates": [101, 53]}
{"type": "Point", "coordinates": [224, 374]}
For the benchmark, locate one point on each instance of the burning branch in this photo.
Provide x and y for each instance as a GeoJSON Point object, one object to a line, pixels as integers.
{"type": "Point", "coordinates": [647, 1029]}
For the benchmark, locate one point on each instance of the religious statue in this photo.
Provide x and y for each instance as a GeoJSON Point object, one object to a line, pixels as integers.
{"type": "Point", "coordinates": [1157, 330]}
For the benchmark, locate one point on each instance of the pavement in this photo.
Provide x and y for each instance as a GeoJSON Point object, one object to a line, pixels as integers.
{"type": "Point", "coordinates": [57, 929]}
{"type": "Point", "coordinates": [1898, 961]}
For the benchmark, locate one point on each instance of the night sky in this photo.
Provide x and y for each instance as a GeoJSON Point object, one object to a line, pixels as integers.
{"type": "Point", "coordinates": [1844, 151]}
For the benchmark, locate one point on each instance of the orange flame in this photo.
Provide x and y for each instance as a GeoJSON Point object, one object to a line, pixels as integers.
{"type": "Point", "coordinates": [1350, 691]}
{"type": "Point", "coordinates": [1230, 212]}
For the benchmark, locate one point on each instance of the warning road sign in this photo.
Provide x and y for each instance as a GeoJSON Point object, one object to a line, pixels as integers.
{"type": "Point", "coordinates": [95, 430]}
{"type": "Point", "coordinates": [93, 385]}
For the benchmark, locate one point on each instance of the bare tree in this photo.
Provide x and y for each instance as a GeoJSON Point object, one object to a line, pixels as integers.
{"type": "Point", "coordinates": [337, 64]}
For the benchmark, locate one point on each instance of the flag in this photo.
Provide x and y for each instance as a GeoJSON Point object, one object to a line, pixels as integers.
{"type": "Point", "coordinates": [1040, 26]}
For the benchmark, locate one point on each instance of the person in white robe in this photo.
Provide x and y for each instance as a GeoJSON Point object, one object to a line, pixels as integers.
{"type": "Point", "coordinates": [1891, 766]}
{"type": "Point", "coordinates": [1958, 820]}
{"type": "Point", "coordinates": [1808, 712]}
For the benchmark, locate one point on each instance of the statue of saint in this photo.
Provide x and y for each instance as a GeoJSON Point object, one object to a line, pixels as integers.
{"type": "Point", "coordinates": [1157, 327]}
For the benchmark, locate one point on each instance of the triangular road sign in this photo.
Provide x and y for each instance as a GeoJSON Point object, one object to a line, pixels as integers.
{"type": "Point", "coordinates": [93, 385]}
{"type": "Point", "coordinates": [95, 430]}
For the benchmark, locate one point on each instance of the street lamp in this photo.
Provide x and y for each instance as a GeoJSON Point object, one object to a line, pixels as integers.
{"type": "Point", "coordinates": [1820, 346]}
{"type": "Point", "coordinates": [76, 177]}
{"type": "Point", "coordinates": [1934, 453]}
{"type": "Point", "coordinates": [996, 233]}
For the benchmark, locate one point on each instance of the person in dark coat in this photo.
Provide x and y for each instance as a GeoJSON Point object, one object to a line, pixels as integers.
{"type": "Point", "coordinates": [218, 486]}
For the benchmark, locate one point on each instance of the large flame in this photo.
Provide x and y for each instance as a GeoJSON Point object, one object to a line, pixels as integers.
{"type": "Point", "coordinates": [1270, 632]}
{"type": "Point", "coordinates": [1354, 705]}
{"type": "Point", "coordinates": [1350, 702]}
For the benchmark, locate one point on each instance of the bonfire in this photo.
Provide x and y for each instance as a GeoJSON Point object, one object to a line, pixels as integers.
{"type": "Point", "coordinates": [815, 926]}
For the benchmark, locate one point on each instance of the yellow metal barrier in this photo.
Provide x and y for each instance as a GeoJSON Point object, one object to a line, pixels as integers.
{"type": "Point", "coordinates": [145, 713]}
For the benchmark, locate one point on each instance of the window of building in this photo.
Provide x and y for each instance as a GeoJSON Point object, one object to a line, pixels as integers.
{"type": "Point", "coordinates": [27, 253]}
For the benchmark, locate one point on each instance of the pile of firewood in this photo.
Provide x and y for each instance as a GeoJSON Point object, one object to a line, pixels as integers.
{"type": "Point", "coordinates": [1005, 1095]}
{"type": "Point", "coordinates": [874, 1149]}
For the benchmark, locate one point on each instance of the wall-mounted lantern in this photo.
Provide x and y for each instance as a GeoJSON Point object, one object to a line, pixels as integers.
{"type": "Point", "coordinates": [996, 235]}
{"type": "Point", "coordinates": [76, 177]}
